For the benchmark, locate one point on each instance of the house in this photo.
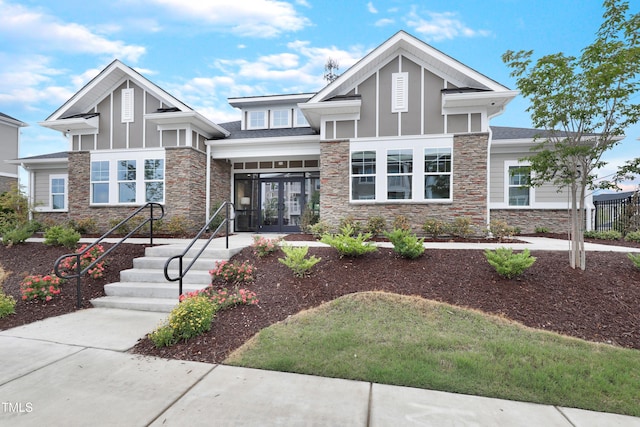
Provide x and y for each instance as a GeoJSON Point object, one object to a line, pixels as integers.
{"type": "Point", "coordinates": [405, 131]}
{"type": "Point", "coordinates": [9, 141]}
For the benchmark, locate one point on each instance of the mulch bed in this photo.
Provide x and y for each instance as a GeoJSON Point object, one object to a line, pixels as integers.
{"type": "Point", "coordinates": [601, 304]}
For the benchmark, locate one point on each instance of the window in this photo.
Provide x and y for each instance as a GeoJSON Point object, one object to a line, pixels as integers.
{"type": "Point", "coordinates": [126, 181]}
{"type": "Point", "coordinates": [257, 120]}
{"type": "Point", "coordinates": [154, 180]}
{"type": "Point", "coordinates": [280, 118]}
{"type": "Point", "coordinates": [399, 92]}
{"type": "Point", "coordinates": [399, 174]}
{"type": "Point", "coordinates": [437, 173]}
{"type": "Point", "coordinates": [58, 186]}
{"type": "Point", "coordinates": [518, 185]}
{"type": "Point", "coordinates": [363, 175]}
{"type": "Point", "coordinates": [301, 120]}
{"type": "Point", "coordinates": [100, 182]}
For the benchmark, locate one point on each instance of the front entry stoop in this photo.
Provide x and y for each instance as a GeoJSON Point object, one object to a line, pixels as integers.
{"type": "Point", "coordinates": [145, 288]}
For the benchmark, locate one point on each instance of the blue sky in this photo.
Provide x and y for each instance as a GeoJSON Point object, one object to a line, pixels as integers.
{"type": "Point", "coordinates": [205, 51]}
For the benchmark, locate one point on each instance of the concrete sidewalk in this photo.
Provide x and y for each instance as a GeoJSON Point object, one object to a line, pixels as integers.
{"type": "Point", "coordinates": [74, 370]}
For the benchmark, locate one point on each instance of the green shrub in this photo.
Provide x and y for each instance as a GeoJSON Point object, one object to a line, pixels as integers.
{"type": "Point", "coordinates": [296, 259]}
{"type": "Point", "coordinates": [192, 317]}
{"type": "Point", "coordinates": [58, 235]}
{"type": "Point", "coordinates": [319, 229]}
{"type": "Point", "coordinates": [376, 225]}
{"type": "Point", "coordinates": [163, 336]}
{"type": "Point", "coordinates": [435, 227]}
{"type": "Point", "coordinates": [350, 221]}
{"type": "Point", "coordinates": [232, 272]}
{"type": "Point", "coordinates": [633, 236]}
{"type": "Point", "coordinates": [307, 219]}
{"type": "Point", "coordinates": [508, 264]}
{"type": "Point", "coordinates": [405, 243]}
{"type": "Point", "coordinates": [263, 246]}
{"type": "Point", "coordinates": [541, 229]}
{"type": "Point", "coordinates": [218, 219]}
{"type": "Point", "coordinates": [401, 222]}
{"type": "Point", "coordinates": [17, 235]}
{"type": "Point", "coordinates": [501, 230]}
{"type": "Point", "coordinates": [603, 234]}
{"type": "Point", "coordinates": [178, 225]}
{"type": "Point", "coordinates": [122, 229]}
{"type": "Point", "coordinates": [349, 245]}
{"type": "Point", "coordinates": [84, 225]}
{"type": "Point", "coordinates": [14, 209]}
{"type": "Point", "coordinates": [635, 259]}
{"type": "Point", "coordinates": [461, 227]}
{"type": "Point", "coordinates": [7, 304]}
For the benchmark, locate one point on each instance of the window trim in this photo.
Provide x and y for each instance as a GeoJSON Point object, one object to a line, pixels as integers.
{"type": "Point", "coordinates": [300, 120]}
{"type": "Point", "coordinates": [368, 177]}
{"type": "Point", "coordinates": [65, 193]}
{"type": "Point", "coordinates": [264, 119]}
{"type": "Point", "coordinates": [438, 173]}
{"type": "Point", "coordinates": [508, 164]}
{"type": "Point", "coordinates": [410, 175]}
{"type": "Point", "coordinates": [92, 182]}
{"type": "Point", "coordinates": [287, 111]}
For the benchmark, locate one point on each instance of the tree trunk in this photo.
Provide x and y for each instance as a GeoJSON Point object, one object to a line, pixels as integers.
{"type": "Point", "coordinates": [577, 245]}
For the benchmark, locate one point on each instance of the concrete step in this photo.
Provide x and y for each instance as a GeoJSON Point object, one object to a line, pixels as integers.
{"type": "Point", "coordinates": [153, 262]}
{"type": "Point", "coordinates": [163, 305]}
{"type": "Point", "coordinates": [167, 251]}
{"type": "Point", "coordinates": [149, 290]}
{"type": "Point", "coordinates": [150, 275]}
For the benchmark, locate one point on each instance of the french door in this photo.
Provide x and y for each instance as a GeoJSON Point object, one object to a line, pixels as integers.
{"type": "Point", "coordinates": [282, 201]}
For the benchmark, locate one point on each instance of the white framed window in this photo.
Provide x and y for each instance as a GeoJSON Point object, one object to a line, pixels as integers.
{"type": "Point", "coordinates": [132, 180]}
{"type": "Point", "coordinates": [517, 183]}
{"type": "Point", "coordinates": [58, 192]}
{"type": "Point", "coordinates": [256, 120]}
{"type": "Point", "coordinates": [154, 180]}
{"type": "Point", "coordinates": [280, 118]}
{"type": "Point", "coordinates": [100, 182]}
{"type": "Point", "coordinates": [301, 120]}
{"type": "Point", "coordinates": [363, 175]}
{"type": "Point", "coordinates": [401, 170]}
{"type": "Point", "coordinates": [399, 174]}
{"type": "Point", "coordinates": [437, 173]}
{"type": "Point", "coordinates": [399, 92]}
{"type": "Point", "coordinates": [127, 115]}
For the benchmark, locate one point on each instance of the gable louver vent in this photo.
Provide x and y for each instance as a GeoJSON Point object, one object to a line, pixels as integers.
{"type": "Point", "coordinates": [127, 105]}
{"type": "Point", "coordinates": [400, 92]}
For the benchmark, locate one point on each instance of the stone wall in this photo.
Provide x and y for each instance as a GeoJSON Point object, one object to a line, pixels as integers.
{"type": "Point", "coordinates": [469, 187]}
{"type": "Point", "coordinates": [554, 220]}
{"type": "Point", "coordinates": [6, 183]}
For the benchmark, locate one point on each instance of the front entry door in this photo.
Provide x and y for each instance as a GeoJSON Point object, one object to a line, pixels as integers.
{"type": "Point", "coordinates": [281, 204]}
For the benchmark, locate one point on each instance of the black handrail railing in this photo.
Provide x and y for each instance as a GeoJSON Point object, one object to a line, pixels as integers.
{"type": "Point", "coordinates": [78, 255]}
{"type": "Point", "coordinates": [183, 272]}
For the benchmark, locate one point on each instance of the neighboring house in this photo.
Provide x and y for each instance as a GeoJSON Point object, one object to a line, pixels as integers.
{"type": "Point", "coordinates": [9, 143]}
{"type": "Point", "coordinates": [405, 131]}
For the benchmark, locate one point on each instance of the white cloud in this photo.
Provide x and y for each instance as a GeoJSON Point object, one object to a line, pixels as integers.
{"type": "Point", "coordinates": [441, 26]}
{"type": "Point", "coordinates": [30, 28]}
{"type": "Point", "coordinates": [371, 8]}
{"type": "Point", "coordinates": [384, 22]}
{"type": "Point", "coordinates": [255, 18]}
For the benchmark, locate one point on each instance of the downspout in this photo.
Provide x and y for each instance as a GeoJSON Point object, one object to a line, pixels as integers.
{"type": "Point", "coordinates": [489, 178]}
{"type": "Point", "coordinates": [207, 203]}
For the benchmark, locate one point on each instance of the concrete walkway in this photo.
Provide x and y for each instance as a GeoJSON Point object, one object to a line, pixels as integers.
{"type": "Point", "coordinates": [74, 370]}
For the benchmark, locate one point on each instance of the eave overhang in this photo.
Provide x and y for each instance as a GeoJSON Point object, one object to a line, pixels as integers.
{"type": "Point", "coordinates": [178, 118]}
{"type": "Point", "coordinates": [493, 102]}
{"type": "Point", "coordinates": [314, 112]}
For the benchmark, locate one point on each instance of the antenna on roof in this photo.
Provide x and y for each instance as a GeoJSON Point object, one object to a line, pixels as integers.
{"type": "Point", "coordinates": [330, 68]}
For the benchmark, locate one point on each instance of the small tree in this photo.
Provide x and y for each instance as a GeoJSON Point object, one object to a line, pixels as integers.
{"type": "Point", "coordinates": [583, 104]}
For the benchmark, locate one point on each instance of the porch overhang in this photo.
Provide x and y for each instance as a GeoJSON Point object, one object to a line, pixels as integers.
{"type": "Point", "coordinates": [493, 102]}
{"type": "Point", "coordinates": [182, 118]}
{"type": "Point", "coordinates": [316, 111]}
{"type": "Point", "coordinates": [73, 124]}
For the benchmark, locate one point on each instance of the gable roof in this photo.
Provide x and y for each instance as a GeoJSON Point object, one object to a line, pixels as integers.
{"type": "Point", "coordinates": [76, 114]}
{"type": "Point", "coordinates": [4, 118]}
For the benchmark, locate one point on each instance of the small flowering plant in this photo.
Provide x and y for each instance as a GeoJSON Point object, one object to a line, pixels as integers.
{"type": "Point", "coordinates": [263, 246]}
{"type": "Point", "coordinates": [232, 272]}
{"type": "Point", "coordinates": [40, 287]}
{"type": "Point", "coordinates": [223, 298]}
{"type": "Point", "coordinates": [69, 264]}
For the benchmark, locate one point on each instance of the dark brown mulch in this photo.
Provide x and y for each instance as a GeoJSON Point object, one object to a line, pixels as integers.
{"type": "Point", "coordinates": [36, 258]}
{"type": "Point", "coordinates": [601, 304]}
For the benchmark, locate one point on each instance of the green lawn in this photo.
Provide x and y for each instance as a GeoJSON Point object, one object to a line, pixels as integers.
{"type": "Point", "coordinates": [409, 341]}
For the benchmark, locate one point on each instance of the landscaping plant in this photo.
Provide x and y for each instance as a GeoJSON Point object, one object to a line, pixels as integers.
{"type": "Point", "coordinates": [508, 264]}
{"type": "Point", "coordinates": [96, 272]}
{"type": "Point", "coordinates": [232, 272]}
{"type": "Point", "coordinates": [405, 243]}
{"type": "Point", "coordinates": [40, 287]}
{"type": "Point", "coordinates": [461, 227]}
{"type": "Point", "coordinates": [633, 236]}
{"type": "Point", "coordinates": [263, 246]}
{"type": "Point", "coordinates": [7, 302]}
{"type": "Point", "coordinates": [58, 235]}
{"type": "Point", "coordinates": [635, 259]}
{"type": "Point", "coordinates": [17, 235]}
{"type": "Point", "coordinates": [435, 227]}
{"type": "Point", "coordinates": [349, 245]}
{"type": "Point", "coordinates": [297, 261]}
{"type": "Point", "coordinates": [603, 234]}
{"type": "Point", "coordinates": [376, 225]}
{"type": "Point", "coordinates": [500, 229]}
{"type": "Point", "coordinates": [319, 229]}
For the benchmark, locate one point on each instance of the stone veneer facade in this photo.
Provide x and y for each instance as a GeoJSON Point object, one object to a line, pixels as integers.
{"type": "Point", "coordinates": [554, 220]}
{"type": "Point", "coordinates": [6, 183]}
{"type": "Point", "coordinates": [469, 187]}
{"type": "Point", "coordinates": [185, 189]}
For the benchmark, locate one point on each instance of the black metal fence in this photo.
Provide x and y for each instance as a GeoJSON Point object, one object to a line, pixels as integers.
{"type": "Point", "coordinates": [622, 215]}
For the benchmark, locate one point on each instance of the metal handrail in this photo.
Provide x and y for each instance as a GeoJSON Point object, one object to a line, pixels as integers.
{"type": "Point", "coordinates": [183, 272]}
{"type": "Point", "coordinates": [78, 255]}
